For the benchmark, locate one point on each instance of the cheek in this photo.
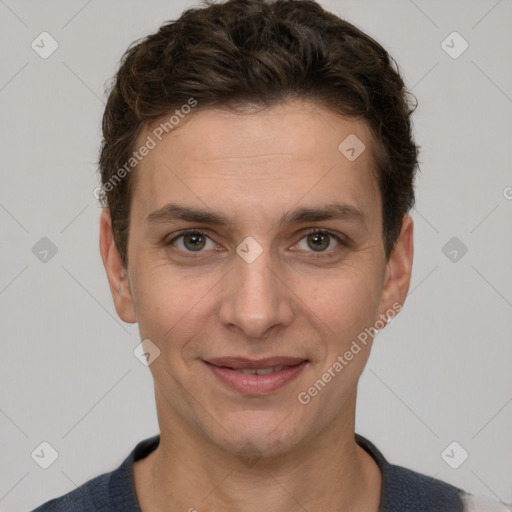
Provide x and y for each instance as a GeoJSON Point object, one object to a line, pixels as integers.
{"type": "Point", "coordinates": [169, 306]}
{"type": "Point", "coordinates": [346, 300]}
{"type": "Point", "coordinates": [344, 305]}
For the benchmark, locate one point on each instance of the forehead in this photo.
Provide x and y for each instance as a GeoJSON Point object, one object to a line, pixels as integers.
{"type": "Point", "coordinates": [267, 159]}
{"type": "Point", "coordinates": [296, 129]}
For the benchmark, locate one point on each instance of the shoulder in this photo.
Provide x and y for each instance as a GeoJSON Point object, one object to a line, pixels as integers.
{"type": "Point", "coordinates": [405, 489]}
{"type": "Point", "coordinates": [113, 491]}
{"type": "Point", "coordinates": [92, 495]}
{"type": "Point", "coordinates": [418, 492]}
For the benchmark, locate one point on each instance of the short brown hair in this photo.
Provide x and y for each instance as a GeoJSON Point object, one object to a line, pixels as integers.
{"type": "Point", "coordinates": [260, 52]}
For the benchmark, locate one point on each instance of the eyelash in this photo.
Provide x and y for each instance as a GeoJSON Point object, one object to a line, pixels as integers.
{"type": "Point", "coordinates": [342, 243]}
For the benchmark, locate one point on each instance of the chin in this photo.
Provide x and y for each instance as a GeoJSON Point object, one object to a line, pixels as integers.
{"type": "Point", "coordinates": [257, 434]}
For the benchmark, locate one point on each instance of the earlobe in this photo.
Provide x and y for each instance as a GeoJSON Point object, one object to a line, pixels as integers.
{"type": "Point", "coordinates": [398, 271]}
{"type": "Point", "coordinates": [117, 275]}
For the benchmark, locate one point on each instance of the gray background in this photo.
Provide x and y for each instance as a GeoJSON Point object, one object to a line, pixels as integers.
{"type": "Point", "coordinates": [439, 373]}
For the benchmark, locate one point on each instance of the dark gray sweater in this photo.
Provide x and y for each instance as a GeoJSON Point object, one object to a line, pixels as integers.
{"type": "Point", "coordinates": [403, 490]}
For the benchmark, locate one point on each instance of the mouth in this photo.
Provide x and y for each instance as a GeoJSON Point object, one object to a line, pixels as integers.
{"type": "Point", "coordinates": [256, 377]}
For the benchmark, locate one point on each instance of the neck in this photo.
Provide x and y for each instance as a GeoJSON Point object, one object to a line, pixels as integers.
{"type": "Point", "coordinates": [329, 472]}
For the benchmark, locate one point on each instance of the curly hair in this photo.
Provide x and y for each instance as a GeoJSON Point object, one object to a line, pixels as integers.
{"type": "Point", "coordinates": [243, 53]}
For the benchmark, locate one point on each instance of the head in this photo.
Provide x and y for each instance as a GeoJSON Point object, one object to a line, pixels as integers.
{"type": "Point", "coordinates": [280, 137]}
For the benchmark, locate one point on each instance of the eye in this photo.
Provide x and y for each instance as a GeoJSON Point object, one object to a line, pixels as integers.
{"type": "Point", "coordinates": [316, 241]}
{"type": "Point", "coordinates": [192, 241]}
{"type": "Point", "coordinates": [319, 241]}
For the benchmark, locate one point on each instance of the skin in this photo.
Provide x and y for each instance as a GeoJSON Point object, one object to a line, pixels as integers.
{"type": "Point", "coordinates": [292, 300]}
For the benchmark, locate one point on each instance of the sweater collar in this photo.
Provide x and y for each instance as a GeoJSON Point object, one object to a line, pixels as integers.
{"type": "Point", "coordinates": [394, 478]}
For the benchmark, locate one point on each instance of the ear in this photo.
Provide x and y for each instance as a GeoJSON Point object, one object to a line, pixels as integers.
{"type": "Point", "coordinates": [398, 271]}
{"type": "Point", "coordinates": [116, 273]}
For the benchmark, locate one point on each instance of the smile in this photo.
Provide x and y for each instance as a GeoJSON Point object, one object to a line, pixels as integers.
{"type": "Point", "coordinates": [256, 377]}
{"type": "Point", "coordinates": [260, 371]}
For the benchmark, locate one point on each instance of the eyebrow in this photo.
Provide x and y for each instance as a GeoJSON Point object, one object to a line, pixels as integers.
{"type": "Point", "coordinates": [333, 211]}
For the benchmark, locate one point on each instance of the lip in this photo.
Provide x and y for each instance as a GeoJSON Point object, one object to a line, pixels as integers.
{"type": "Point", "coordinates": [224, 370]}
{"type": "Point", "coordinates": [245, 363]}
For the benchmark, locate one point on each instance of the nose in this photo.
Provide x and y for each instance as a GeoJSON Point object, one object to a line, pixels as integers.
{"type": "Point", "coordinates": [256, 300]}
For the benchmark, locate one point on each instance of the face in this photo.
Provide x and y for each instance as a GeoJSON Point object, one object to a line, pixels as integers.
{"type": "Point", "coordinates": [255, 243]}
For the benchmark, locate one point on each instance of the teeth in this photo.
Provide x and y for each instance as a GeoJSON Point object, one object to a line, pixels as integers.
{"type": "Point", "coordinates": [259, 371]}
{"type": "Point", "coordinates": [265, 371]}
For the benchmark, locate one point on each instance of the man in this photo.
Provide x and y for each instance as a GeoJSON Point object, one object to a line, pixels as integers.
{"type": "Point", "coordinates": [257, 174]}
